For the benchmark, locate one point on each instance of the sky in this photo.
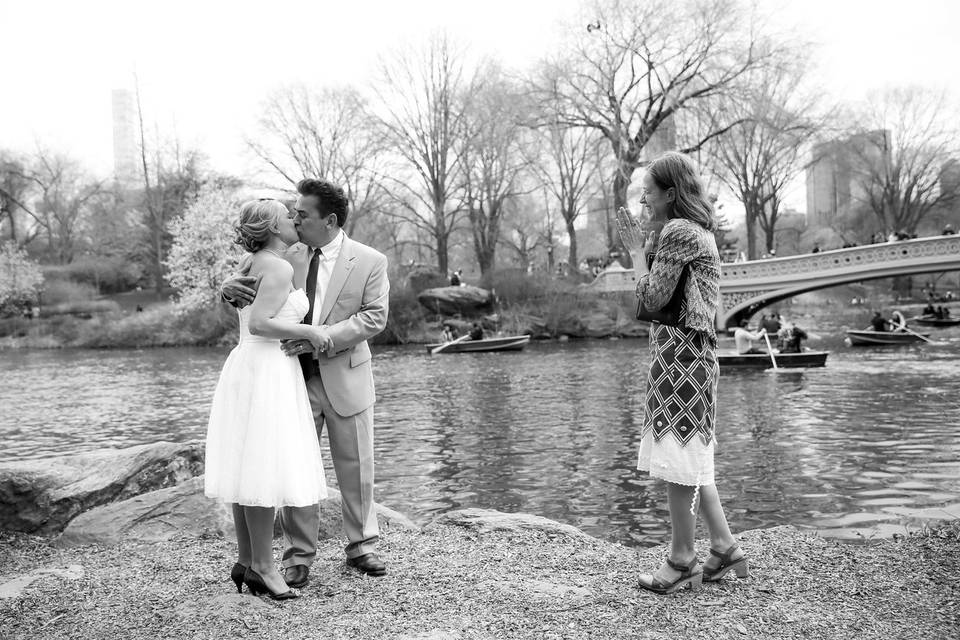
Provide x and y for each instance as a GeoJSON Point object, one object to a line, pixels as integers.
{"type": "Point", "coordinates": [205, 66]}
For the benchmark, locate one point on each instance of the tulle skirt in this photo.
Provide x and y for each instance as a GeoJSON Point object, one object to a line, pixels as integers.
{"type": "Point", "coordinates": [262, 448]}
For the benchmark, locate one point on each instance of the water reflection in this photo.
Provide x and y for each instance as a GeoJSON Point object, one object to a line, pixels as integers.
{"type": "Point", "coordinates": [853, 449]}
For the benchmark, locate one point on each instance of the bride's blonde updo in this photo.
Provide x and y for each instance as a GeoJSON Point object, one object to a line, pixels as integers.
{"type": "Point", "coordinates": [257, 219]}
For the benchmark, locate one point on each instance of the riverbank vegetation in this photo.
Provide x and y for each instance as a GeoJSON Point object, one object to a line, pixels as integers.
{"type": "Point", "coordinates": [76, 317]}
{"type": "Point", "coordinates": [448, 582]}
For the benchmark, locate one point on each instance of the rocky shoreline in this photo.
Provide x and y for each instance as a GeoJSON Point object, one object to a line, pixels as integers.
{"type": "Point", "coordinates": [146, 556]}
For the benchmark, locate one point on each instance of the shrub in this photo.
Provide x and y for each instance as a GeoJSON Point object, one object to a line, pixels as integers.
{"type": "Point", "coordinates": [405, 319]}
{"type": "Point", "coordinates": [161, 326]}
{"type": "Point", "coordinates": [59, 290]}
{"type": "Point", "coordinates": [105, 274]}
{"type": "Point", "coordinates": [21, 280]}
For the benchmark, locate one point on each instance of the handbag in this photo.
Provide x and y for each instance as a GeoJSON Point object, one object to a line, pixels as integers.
{"type": "Point", "coordinates": [670, 313]}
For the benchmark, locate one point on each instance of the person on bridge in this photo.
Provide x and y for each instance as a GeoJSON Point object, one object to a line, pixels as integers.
{"type": "Point", "coordinates": [744, 339]}
{"type": "Point", "coordinates": [677, 437]}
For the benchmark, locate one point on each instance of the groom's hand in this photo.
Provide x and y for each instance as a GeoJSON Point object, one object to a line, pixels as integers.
{"type": "Point", "coordinates": [240, 291]}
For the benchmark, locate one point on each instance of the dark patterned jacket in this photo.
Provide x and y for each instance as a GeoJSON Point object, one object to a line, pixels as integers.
{"type": "Point", "coordinates": [684, 242]}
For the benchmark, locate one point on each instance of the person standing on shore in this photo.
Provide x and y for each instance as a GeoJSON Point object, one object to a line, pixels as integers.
{"type": "Point", "coordinates": [677, 438]}
{"type": "Point", "coordinates": [348, 291]}
{"type": "Point", "coordinates": [261, 448]}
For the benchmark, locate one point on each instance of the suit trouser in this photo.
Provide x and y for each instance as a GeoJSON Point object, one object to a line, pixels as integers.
{"type": "Point", "coordinates": [351, 447]}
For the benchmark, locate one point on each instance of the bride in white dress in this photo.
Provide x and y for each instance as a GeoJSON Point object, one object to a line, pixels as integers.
{"type": "Point", "coordinates": [262, 450]}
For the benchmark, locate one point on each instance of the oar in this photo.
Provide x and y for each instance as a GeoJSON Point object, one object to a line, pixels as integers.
{"type": "Point", "coordinates": [903, 327]}
{"type": "Point", "coordinates": [437, 350]}
{"type": "Point", "coordinates": [770, 349]}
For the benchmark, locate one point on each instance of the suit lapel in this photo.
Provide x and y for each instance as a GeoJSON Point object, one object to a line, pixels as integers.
{"type": "Point", "coordinates": [346, 261]}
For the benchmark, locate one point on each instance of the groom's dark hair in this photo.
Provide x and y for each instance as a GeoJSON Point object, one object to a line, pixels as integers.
{"type": "Point", "coordinates": [330, 197]}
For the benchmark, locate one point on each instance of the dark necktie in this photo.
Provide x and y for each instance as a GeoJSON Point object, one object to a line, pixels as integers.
{"type": "Point", "coordinates": [307, 362]}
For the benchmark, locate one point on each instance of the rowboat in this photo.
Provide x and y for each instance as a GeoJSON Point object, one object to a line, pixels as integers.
{"type": "Point", "coordinates": [506, 343]}
{"type": "Point", "coordinates": [784, 360]}
{"type": "Point", "coordinates": [869, 337]}
{"type": "Point", "coordinates": [933, 321]}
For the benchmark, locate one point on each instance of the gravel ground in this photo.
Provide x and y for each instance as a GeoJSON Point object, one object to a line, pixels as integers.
{"type": "Point", "coordinates": [453, 583]}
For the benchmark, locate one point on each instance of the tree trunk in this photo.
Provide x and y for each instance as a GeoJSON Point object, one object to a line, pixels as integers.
{"type": "Point", "coordinates": [621, 182]}
{"type": "Point", "coordinates": [572, 260]}
{"type": "Point", "coordinates": [443, 262]}
{"type": "Point", "coordinates": [486, 258]}
{"type": "Point", "coordinates": [751, 224]}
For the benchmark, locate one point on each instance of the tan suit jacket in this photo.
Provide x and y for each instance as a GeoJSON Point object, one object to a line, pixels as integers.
{"type": "Point", "coordinates": [355, 308]}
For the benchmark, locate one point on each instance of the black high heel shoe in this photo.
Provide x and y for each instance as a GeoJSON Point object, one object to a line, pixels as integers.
{"type": "Point", "coordinates": [258, 587]}
{"type": "Point", "coordinates": [236, 574]}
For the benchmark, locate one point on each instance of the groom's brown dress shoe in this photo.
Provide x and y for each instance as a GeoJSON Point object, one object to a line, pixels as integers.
{"type": "Point", "coordinates": [369, 563]}
{"type": "Point", "coordinates": [297, 576]}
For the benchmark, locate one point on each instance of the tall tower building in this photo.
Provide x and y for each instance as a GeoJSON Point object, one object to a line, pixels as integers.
{"type": "Point", "coordinates": [835, 178]}
{"type": "Point", "coordinates": [124, 137]}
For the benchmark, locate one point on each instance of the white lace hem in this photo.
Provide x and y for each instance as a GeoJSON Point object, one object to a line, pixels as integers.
{"type": "Point", "coordinates": [691, 465]}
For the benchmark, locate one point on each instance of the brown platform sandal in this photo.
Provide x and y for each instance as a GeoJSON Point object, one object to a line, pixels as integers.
{"type": "Point", "coordinates": [687, 577]}
{"type": "Point", "coordinates": [714, 574]}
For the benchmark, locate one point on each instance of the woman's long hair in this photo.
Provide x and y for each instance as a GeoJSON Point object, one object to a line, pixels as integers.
{"type": "Point", "coordinates": [257, 219]}
{"type": "Point", "coordinates": [674, 170]}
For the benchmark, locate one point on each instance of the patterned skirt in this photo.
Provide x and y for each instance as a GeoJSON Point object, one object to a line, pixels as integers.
{"type": "Point", "coordinates": [677, 439]}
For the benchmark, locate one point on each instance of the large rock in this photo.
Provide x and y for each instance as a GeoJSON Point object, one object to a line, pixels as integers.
{"type": "Point", "coordinates": [485, 520]}
{"type": "Point", "coordinates": [42, 496]}
{"type": "Point", "coordinates": [451, 301]}
{"type": "Point", "coordinates": [160, 515]}
{"type": "Point", "coordinates": [185, 511]}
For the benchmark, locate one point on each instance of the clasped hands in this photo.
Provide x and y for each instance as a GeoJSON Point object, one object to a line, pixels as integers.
{"type": "Point", "coordinates": [319, 342]}
{"type": "Point", "coordinates": [634, 237]}
{"type": "Point", "coordinates": [241, 290]}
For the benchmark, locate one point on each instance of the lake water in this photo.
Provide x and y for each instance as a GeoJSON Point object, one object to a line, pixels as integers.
{"type": "Point", "coordinates": [856, 449]}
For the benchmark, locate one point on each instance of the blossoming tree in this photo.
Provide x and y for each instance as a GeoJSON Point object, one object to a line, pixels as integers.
{"type": "Point", "coordinates": [203, 253]}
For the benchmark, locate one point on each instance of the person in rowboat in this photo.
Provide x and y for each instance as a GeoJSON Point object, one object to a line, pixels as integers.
{"type": "Point", "coordinates": [744, 338]}
{"type": "Point", "coordinates": [476, 332]}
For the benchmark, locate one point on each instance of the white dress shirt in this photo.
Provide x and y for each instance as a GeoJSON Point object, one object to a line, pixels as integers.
{"type": "Point", "coordinates": [328, 258]}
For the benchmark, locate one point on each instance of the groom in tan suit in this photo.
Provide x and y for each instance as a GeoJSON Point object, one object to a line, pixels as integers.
{"type": "Point", "coordinates": [348, 289]}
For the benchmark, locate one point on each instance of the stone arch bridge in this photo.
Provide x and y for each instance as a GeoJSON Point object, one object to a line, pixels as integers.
{"type": "Point", "coordinates": [747, 287]}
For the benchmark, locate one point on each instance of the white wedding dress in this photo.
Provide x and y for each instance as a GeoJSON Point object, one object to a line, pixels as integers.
{"type": "Point", "coordinates": [262, 447]}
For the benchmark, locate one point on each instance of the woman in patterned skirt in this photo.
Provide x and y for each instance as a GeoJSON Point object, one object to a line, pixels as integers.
{"type": "Point", "coordinates": [677, 437]}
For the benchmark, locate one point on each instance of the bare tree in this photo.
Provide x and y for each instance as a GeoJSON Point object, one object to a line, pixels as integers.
{"type": "Point", "coordinates": [493, 158]}
{"type": "Point", "coordinates": [568, 157]}
{"type": "Point", "coordinates": [171, 181]}
{"type": "Point", "coordinates": [15, 187]}
{"type": "Point", "coordinates": [330, 134]}
{"type": "Point", "coordinates": [421, 100]}
{"type": "Point", "coordinates": [901, 144]}
{"type": "Point", "coordinates": [530, 226]}
{"type": "Point", "coordinates": [642, 64]}
{"type": "Point", "coordinates": [64, 192]}
{"type": "Point", "coordinates": [759, 157]}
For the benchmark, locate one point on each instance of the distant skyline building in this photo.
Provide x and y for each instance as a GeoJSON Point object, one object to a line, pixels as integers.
{"type": "Point", "coordinates": [663, 139]}
{"type": "Point", "coordinates": [124, 137]}
{"type": "Point", "coordinates": [950, 176]}
{"type": "Point", "coordinates": [834, 178]}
